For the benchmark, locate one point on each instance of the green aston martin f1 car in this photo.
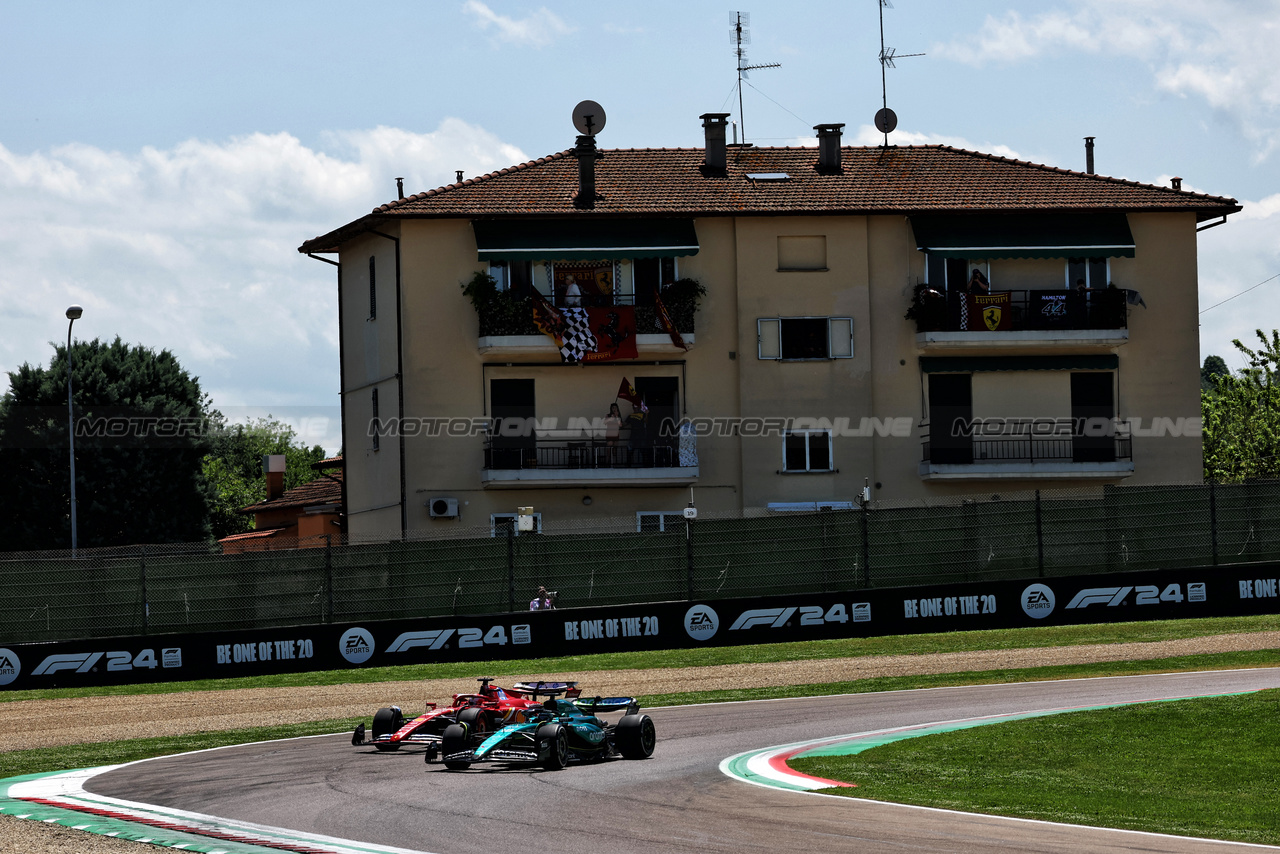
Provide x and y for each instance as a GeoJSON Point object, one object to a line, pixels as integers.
{"type": "Point", "coordinates": [560, 731]}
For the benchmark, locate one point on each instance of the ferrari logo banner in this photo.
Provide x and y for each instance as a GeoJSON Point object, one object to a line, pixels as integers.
{"type": "Point", "coordinates": [996, 311]}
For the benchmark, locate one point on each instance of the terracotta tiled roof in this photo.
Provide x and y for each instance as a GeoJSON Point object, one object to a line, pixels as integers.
{"type": "Point", "coordinates": [326, 489]}
{"type": "Point", "coordinates": [657, 182]}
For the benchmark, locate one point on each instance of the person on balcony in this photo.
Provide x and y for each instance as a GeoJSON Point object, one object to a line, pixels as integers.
{"type": "Point", "coordinates": [978, 283]}
{"type": "Point", "coordinates": [572, 294]}
{"type": "Point", "coordinates": [612, 430]}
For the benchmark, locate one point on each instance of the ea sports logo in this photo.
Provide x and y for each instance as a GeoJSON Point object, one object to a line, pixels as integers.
{"type": "Point", "coordinates": [701, 622]}
{"type": "Point", "coordinates": [356, 645]}
{"type": "Point", "coordinates": [1037, 601]}
{"type": "Point", "coordinates": [10, 666]}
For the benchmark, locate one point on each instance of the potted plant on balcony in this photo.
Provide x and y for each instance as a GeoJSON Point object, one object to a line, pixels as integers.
{"type": "Point", "coordinates": [928, 309]}
{"type": "Point", "coordinates": [500, 312]}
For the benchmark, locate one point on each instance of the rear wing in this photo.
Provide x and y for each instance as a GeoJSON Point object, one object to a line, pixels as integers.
{"type": "Point", "coordinates": [601, 705]}
{"type": "Point", "coordinates": [534, 690]}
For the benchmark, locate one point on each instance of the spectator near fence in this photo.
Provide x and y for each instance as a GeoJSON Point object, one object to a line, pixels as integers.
{"type": "Point", "coordinates": [544, 601]}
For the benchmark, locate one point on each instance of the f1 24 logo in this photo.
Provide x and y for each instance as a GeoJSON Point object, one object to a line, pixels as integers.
{"type": "Point", "coordinates": [810, 615]}
{"type": "Point", "coordinates": [1145, 594]}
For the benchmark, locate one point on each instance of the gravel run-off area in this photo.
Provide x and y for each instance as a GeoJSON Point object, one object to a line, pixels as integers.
{"type": "Point", "coordinates": [52, 723]}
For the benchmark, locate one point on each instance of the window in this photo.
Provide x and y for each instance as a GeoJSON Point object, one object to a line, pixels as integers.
{"type": "Point", "coordinates": [802, 252]}
{"type": "Point", "coordinates": [373, 289]}
{"type": "Point", "coordinates": [655, 522]}
{"type": "Point", "coordinates": [1092, 270]}
{"type": "Point", "coordinates": [797, 338]}
{"type": "Point", "coordinates": [498, 523]}
{"type": "Point", "coordinates": [941, 273]}
{"type": "Point", "coordinates": [651, 274]}
{"type": "Point", "coordinates": [806, 450]}
{"type": "Point", "coordinates": [373, 405]}
{"type": "Point", "coordinates": [514, 276]}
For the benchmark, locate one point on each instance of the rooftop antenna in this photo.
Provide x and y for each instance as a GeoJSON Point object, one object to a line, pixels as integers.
{"type": "Point", "coordinates": [738, 37]}
{"type": "Point", "coordinates": [886, 119]}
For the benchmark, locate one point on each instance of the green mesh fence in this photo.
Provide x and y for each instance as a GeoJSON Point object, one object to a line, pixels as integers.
{"type": "Point", "coordinates": [458, 570]}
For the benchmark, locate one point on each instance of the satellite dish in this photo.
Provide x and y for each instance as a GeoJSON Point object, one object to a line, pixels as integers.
{"type": "Point", "coordinates": [588, 118]}
{"type": "Point", "coordinates": [886, 120]}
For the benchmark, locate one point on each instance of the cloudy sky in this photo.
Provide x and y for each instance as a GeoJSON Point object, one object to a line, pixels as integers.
{"type": "Point", "coordinates": [160, 163]}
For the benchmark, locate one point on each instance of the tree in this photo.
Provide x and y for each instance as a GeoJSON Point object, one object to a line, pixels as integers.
{"type": "Point", "coordinates": [140, 438]}
{"type": "Point", "coordinates": [1241, 415]}
{"type": "Point", "coordinates": [234, 469]}
{"type": "Point", "coordinates": [1214, 366]}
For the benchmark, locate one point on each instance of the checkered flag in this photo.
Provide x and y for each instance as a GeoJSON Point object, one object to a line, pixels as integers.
{"type": "Point", "coordinates": [578, 338]}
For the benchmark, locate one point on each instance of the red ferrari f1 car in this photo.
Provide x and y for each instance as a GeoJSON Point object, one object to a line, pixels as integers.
{"type": "Point", "coordinates": [489, 709]}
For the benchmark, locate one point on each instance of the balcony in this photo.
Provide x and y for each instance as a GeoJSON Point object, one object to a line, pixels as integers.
{"type": "Point", "coordinates": [956, 320]}
{"type": "Point", "coordinates": [507, 327]}
{"type": "Point", "coordinates": [1029, 457]}
{"type": "Point", "coordinates": [522, 463]}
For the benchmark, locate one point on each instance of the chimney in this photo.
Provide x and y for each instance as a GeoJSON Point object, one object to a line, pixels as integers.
{"type": "Point", "coordinates": [1088, 155]}
{"type": "Point", "coordinates": [1176, 182]}
{"type": "Point", "coordinates": [585, 151]}
{"type": "Point", "coordinates": [400, 188]}
{"type": "Point", "coordinates": [459, 181]}
{"type": "Point", "coordinates": [273, 468]}
{"type": "Point", "coordinates": [716, 159]}
{"type": "Point", "coordinates": [829, 149]}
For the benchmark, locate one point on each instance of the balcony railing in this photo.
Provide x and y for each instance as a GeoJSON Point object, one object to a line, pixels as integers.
{"type": "Point", "coordinates": [1041, 310]}
{"type": "Point", "coordinates": [558, 454]}
{"type": "Point", "coordinates": [1031, 449]}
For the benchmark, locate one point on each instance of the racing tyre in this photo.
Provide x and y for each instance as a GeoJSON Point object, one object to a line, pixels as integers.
{"type": "Point", "coordinates": [556, 740]}
{"type": "Point", "coordinates": [455, 740]}
{"type": "Point", "coordinates": [385, 722]}
{"type": "Point", "coordinates": [636, 736]}
{"type": "Point", "coordinates": [474, 720]}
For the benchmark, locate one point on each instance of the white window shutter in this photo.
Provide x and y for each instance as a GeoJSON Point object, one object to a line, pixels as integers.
{"type": "Point", "coordinates": [841, 331]}
{"type": "Point", "coordinates": [769, 337]}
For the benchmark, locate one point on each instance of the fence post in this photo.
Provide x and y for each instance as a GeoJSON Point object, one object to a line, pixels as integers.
{"type": "Point", "coordinates": [688, 554]}
{"type": "Point", "coordinates": [511, 565]}
{"type": "Point", "coordinates": [142, 571]}
{"type": "Point", "coordinates": [866, 546]}
{"type": "Point", "coordinates": [1039, 537]}
{"type": "Point", "coordinates": [1213, 521]}
{"type": "Point", "coordinates": [328, 578]}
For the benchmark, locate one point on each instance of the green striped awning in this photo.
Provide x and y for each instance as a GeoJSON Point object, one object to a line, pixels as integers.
{"type": "Point", "coordinates": [975, 364]}
{"type": "Point", "coordinates": [1097, 235]}
{"type": "Point", "coordinates": [584, 239]}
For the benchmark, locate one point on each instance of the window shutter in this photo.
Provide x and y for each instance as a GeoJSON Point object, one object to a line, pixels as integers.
{"type": "Point", "coordinates": [769, 337]}
{"type": "Point", "coordinates": [841, 332]}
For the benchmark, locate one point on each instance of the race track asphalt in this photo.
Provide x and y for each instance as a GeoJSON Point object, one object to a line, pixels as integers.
{"type": "Point", "coordinates": [674, 803]}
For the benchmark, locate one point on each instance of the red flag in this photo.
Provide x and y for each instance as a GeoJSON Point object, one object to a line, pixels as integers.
{"type": "Point", "coordinates": [667, 325]}
{"type": "Point", "coordinates": [627, 392]}
{"type": "Point", "coordinates": [547, 318]}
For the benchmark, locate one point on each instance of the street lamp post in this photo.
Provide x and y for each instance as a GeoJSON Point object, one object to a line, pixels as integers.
{"type": "Point", "coordinates": [73, 314]}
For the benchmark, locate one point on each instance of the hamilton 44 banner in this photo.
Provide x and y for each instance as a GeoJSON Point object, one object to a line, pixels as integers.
{"type": "Point", "coordinates": [587, 334]}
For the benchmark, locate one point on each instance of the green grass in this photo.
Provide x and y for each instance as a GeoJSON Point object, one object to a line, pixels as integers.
{"type": "Point", "coordinates": [40, 760]}
{"type": "Point", "coordinates": [1028, 638]}
{"type": "Point", "coordinates": [1203, 732]}
{"type": "Point", "coordinates": [1205, 768]}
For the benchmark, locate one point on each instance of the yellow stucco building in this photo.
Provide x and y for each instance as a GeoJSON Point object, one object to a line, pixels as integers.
{"type": "Point", "coordinates": [922, 321]}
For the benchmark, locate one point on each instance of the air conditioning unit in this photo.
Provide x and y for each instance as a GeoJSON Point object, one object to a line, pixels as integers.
{"type": "Point", "coordinates": [443, 508]}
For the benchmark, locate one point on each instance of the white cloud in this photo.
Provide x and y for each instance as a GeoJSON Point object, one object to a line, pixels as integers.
{"type": "Point", "coordinates": [194, 249]}
{"type": "Point", "coordinates": [1224, 53]}
{"type": "Point", "coordinates": [868, 135]}
{"type": "Point", "coordinates": [538, 28]}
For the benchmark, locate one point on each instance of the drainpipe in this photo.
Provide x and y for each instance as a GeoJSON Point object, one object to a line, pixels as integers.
{"type": "Point", "coordinates": [342, 377]}
{"type": "Point", "coordinates": [404, 507]}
